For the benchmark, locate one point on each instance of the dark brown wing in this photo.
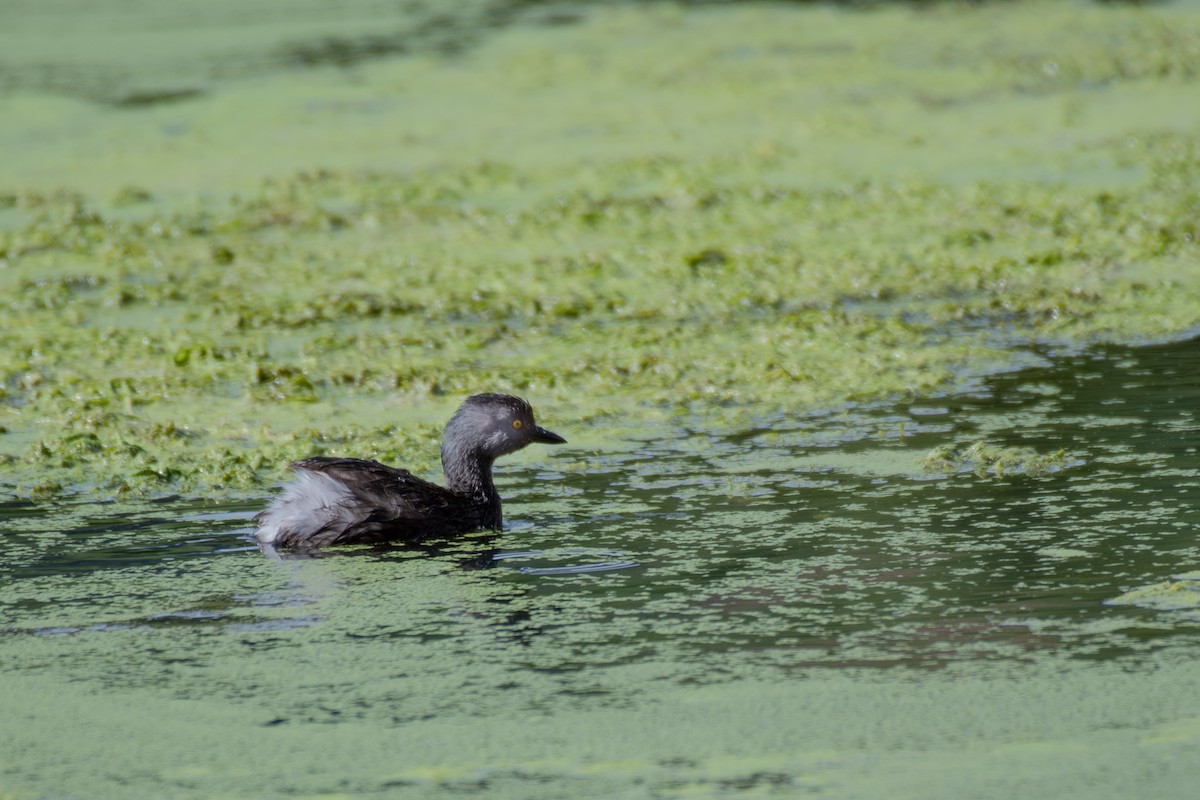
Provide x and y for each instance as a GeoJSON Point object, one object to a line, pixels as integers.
{"type": "Point", "coordinates": [379, 503]}
{"type": "Point", "coordinates": [372, 480]}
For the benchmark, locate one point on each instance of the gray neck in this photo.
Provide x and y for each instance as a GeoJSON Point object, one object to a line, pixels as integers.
{"type": "Point", "coordinates": [470, 473]}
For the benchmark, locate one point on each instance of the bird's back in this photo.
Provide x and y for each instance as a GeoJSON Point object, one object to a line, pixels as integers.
{"type": "Point", "coordinates": [344, 500]}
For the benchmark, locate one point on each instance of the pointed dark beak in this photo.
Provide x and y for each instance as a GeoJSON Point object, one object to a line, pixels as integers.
{"type": "Point", "coordinates": [544, 436]}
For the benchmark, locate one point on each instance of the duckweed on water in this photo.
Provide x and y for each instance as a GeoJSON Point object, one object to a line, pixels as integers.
{"type": "Point", "coordinates": [1181, 594]}
{"type": "Point", "coordinates": [158, 340]}
{"type": "Point", "coordinates": [698, 239]}
{"type": "Point", "coordinates": [987, 459]}
{"type": "Point", "coordinates": [192, 350]}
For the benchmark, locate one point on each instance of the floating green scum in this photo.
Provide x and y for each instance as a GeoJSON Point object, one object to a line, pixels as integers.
{"type": "Point", "coordinates": [723, 211]}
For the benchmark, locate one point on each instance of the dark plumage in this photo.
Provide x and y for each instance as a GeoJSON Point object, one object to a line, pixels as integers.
{"type": "Point", "coordinates": [343, 500]}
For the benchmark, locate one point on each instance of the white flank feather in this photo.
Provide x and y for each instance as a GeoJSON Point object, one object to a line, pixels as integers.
{"type": "Point", "coordinates": [310, 502]}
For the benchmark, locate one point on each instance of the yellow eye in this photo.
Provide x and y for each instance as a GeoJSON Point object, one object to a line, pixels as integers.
{"type": "Point", "coordinates": [517, 424]}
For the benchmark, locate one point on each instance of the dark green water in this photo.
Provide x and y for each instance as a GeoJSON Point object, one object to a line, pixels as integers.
{"type": "Point", "coordinates": [809, 555]}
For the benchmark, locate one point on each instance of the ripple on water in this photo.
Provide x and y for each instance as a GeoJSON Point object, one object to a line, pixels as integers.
{"type": "Point", "coordinates": [738, 559]}
{"type": "Point", "coordinates": [566, 561]}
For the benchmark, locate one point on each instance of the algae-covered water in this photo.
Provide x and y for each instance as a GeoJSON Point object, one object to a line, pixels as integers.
{"type": "Point", "coordinates": [872, 332]}
{"type": "Point", "coordinates": [798, 607]}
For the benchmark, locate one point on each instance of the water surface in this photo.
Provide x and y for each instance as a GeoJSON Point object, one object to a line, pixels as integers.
{"type": "Point", "coordinates": [230, 236]}
{"type": "Point", "coordinates": [796, 605]}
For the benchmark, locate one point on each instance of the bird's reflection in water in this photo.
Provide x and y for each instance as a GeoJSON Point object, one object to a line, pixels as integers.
{"type": "Point", "coordinates": [544, 562]}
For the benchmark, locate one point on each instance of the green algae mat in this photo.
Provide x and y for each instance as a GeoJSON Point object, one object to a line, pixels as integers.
{"type": "Point", "coordinates": [728, 209]}
{"type": "Point", "coordinates": [701, 240]}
